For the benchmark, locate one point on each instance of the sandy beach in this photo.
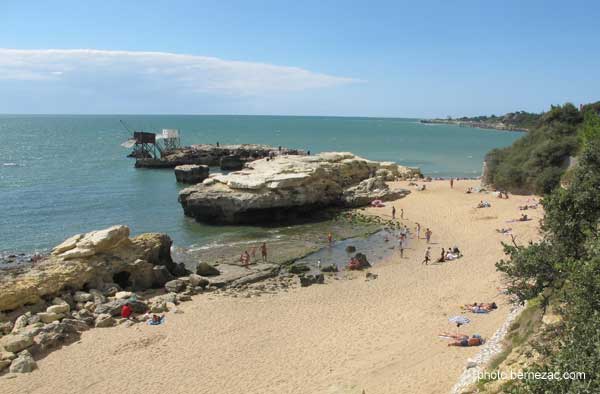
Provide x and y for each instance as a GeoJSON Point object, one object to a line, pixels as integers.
{"type": "Point", "coordinates": [380, 336]}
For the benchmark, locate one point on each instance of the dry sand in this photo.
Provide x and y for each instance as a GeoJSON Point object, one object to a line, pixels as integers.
{"type": "Point", "coordinates": [343, 337]}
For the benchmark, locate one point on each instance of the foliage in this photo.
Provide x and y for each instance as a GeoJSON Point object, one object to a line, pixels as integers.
{"type": "Point", "coordinates": [566, 260]}
{"type": "Point", "coordinates": [516, 120]}
{"type": "Point", "coordinates": [536, 162]}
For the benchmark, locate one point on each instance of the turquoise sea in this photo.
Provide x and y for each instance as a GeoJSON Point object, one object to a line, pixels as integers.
{"type": "Point", "coordinates": [65, 174]}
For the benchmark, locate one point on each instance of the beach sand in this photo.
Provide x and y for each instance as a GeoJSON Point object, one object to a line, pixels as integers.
{"type": "Point", "coordinates": [348, 335]}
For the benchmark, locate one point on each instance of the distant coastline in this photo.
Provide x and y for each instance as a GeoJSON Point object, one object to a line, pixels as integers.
{"type": "Point", "coordinates": [482, 125]}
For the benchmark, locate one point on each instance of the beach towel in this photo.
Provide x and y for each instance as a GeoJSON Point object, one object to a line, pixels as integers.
{"type": "Point", "coordinates": [153, 323]}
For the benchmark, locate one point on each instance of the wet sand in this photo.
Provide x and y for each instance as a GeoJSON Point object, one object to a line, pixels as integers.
{"type": "Point", "coordinates": [343, 337]}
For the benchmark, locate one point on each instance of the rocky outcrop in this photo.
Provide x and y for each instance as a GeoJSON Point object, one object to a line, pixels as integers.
{"type": "Point", "coordinates": [211, 155]}
{"type": "Point", "coordinates": [276, 189]}
{"type": "Point", "coordinates": [191, 173]}
{"type": "Point", "coordinates": [89, 261]}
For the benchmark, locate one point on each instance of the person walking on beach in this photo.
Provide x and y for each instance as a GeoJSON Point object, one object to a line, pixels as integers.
{"type": "Point", "coordinates": [451, 183]}
{"type": "Point", "coordinates": [401, 245]}
{"type": "Point", "coordinates": [418, 231]}
{"type": "Point", "coordinates": [428, 235]}
{"type": "Point", "coordinates": [393, 213]}
{"type": "Point", "coordinates": [401, 213]}
{"type": "Point", "coordinates": [427, 256]}
{"type": "Point", "coordinates": [263, 251]}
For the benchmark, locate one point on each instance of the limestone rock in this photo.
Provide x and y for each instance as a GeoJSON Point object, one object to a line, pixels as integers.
{"type": "Point", "coordinates": [123, 295]}
{"type": "Point", "coordinates": [113, 308]}
{"type": "Point", "coordinates": [60, 308]}
{"type": "Point", "coordinates": [277, 189]}
{"type": "Point", "coordinates": [210, 155]}
{"type": "Point", "coordinates": [191, 173]}
{"type": "Point", "coordinates": [24, 363]}
{"type": "Point", "coordinates": [15, 342]}
{"type": "Point", "coordinates": [231, 163]}
{"type": "Point", "coordinates": [110, 256]}
{"type": "Point", "coordinates": [104, 320]}
{"type": "Point", "coordinates": [49, 317]}
{"type": "Point", "coordinates": [81, 296]}
{"type": "Point", "coordinates": [175, 286]}
{"type": "Point", "coordinates": [198, 281]}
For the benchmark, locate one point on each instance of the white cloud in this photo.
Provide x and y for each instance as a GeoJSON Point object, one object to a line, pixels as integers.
{"type": "Point", "coordinates": [87, 68]}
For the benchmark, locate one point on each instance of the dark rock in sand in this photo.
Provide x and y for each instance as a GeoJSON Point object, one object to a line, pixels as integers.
{"type": "Point", "coordinates": [307, 280]}
{"type": "Point", "coordinates": [299, 268]}
{"type": "Point", "coordinates": [330, 268]}
{"type": "Point", "coordinates": [362, 259]}
{"type": "Point", "coordinates": [205, 269]}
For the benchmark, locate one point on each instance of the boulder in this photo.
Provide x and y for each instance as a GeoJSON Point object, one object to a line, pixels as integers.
{"type": "Point", "coordinates": [82, 296]}
{"type": "Point", "coordinates": [6, 327]}
{"type": "Point", "coordinates": [161, 275]}
{"type": "Point", "coordinates": [329, 268]}
{"type": "Point", "coordinates": [60, 308]}
{"type": "Point", "coordinates": [175, 286]}
{"type": "Point", "coordinates": [113, 308]}
{"type": "Point", "coordinates": [21, 322]}
{"type": "Point", "coordinates": [198, 281]}
{"type": "Point", "coordinates": [205, 269]}
{"type": "Point", "coordinates": [24, 363]}
{"type": "Point", "coordinates": [231, 163]}
{"type": "Point", "coordinates": [191, 173]}
{"type": "Point", "coordinates": [123, 295]}
{"type": "Point", "coordinates": [14, 343]}
{"type": "Point", "coordinates": [104, 320]}
{"type": "Point", "coordinates": [279, 189]}
{"type": "Point", "coordinates": [350, 249]}
{"type": "Point", "coordinates": [4, 364]}
{"type": "Point", "coordinates": [110, 256]}
{"type": "Point", "coordinates": [49, 317]}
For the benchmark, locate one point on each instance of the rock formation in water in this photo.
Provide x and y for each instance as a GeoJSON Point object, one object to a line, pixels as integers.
{"type": "Point", "coordinates": [90, 261]}
{"type": "Point", "coordinates": [270, 190]}
{"type": "Point", "coordinates": [191, 173]}
{"type": "Point", "coordinates": [211, 155]}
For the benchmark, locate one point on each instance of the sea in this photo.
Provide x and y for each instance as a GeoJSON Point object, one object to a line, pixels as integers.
{"type": "Point", "coordinates": [66, 174]}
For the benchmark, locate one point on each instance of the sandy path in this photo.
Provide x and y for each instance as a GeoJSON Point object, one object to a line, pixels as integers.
{"type": "Point", "coordinates": [346, 336]}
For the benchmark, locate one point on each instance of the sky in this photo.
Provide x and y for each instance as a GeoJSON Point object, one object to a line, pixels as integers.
{"type": "Point", "coordinates": [339, 58]}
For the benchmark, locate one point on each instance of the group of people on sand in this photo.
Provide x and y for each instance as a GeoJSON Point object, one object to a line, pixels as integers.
{"type": "Point", "coordinates": [484, 204]}
{"type": "Point", "coordinates": [464, 340]}
{"type": "Point", "coordinates": [445, 255]}
{"type": "Point", "coordinates": [150, 318]}
{"type": "Point", "coordinates": [246, 258]}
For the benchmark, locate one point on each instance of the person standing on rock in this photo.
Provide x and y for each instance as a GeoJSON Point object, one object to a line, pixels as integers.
{"type": "Point", "coordinates": [263, 251]}
{"type": "Point", "coordinates": [245, 259]}
{"type": "Point", "coordinates": [330, 238]}
{"type": "Point", "coordinates": [393, 213]}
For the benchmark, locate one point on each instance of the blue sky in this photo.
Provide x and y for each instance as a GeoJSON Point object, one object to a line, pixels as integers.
{"type": "Point", "coordinates": [371, 58]}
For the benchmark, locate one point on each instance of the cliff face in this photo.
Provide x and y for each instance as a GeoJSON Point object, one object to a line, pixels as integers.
{"type": "Point", "coordinates": [89, 260]}
{"type": "Point", "coordinates": [287, 186]}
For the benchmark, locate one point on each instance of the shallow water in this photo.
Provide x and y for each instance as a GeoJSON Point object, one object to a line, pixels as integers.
{"type": "Point", "coordinates": [61, 175]}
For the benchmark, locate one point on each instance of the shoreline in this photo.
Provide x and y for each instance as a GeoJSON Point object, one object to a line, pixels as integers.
{"type": "Point", "coordinates": [378, 335]}
{"type": "Point", "coordinates": [475, 125]}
